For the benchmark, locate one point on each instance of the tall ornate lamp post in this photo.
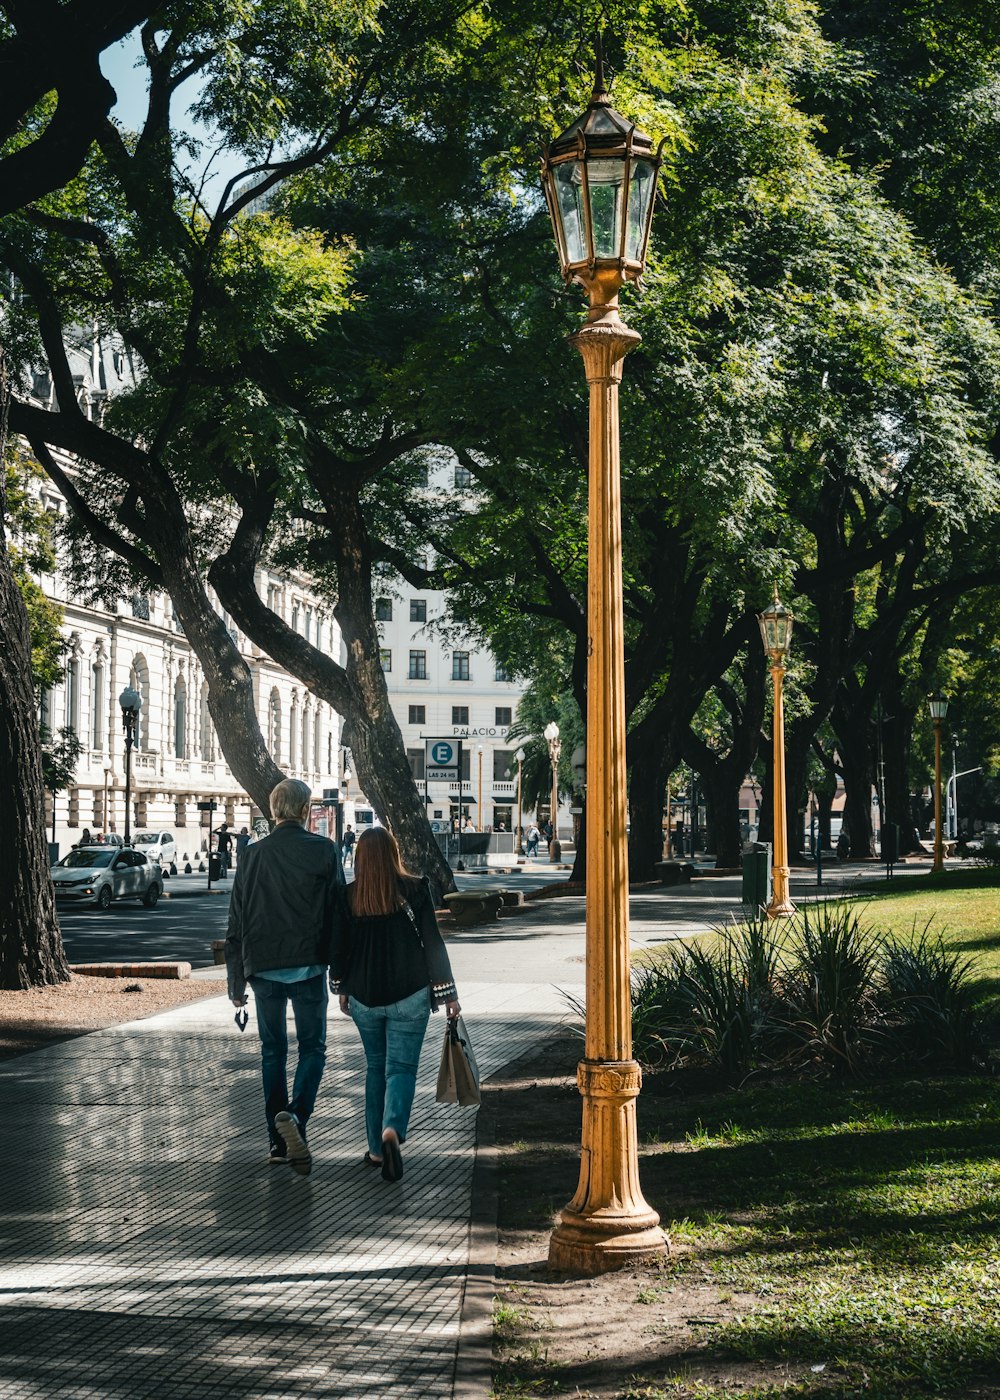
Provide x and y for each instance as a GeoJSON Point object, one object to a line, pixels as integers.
{"type": "Point", "coordinates": [131, 703]}
{"type": "Point", "coordinates": [480, 824]}
{"type": "Point", "coordinates": [104, 809]}
{"type": "Point", "coordinates": [520, 760]}
{"type": "Point", "coordinates": [551, 733]}
{"type": "Point", "coordinates": [600, 178]}
{"type": "Point", "coordinates": [776, 634]}
{"type": "Point", "coordinates": [939, 708]}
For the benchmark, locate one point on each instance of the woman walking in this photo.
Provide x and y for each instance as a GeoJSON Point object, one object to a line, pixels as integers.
{"type": "Point", "coordinates": [389, 967]}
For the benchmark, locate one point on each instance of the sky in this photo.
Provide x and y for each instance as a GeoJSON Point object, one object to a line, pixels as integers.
{"type": "Point", "coordinates": [118, 64]}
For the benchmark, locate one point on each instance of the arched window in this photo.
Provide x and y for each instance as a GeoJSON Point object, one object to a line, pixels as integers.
{"type": "Point", "coordinates": [72, 719]}
{"type": "Point", "coordinates": [293, 736]}
{"type": "Point", "coordinates": [306, 733]}
{"type": "Point", "coordinates": [317, 740]}
{"type": "Point", "coordinates": [274, 726]}
{"type": "Point", "coordinates": [206, 733]}
{"type": "Point", "coordinates": [97, 725]}
{"type": "Point", "coordinates": [180, 718]}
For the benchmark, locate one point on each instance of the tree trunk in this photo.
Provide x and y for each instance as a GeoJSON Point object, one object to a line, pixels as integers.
{"type": "Point", "coordinates": [722, 806]}
{"type": "Point", "coordinates": [31, 948]}
{"type": "Point", "coordinates": [650, 766]}
{"type": "Point", "coordinates": [855, 757]}
{"type": "Point", "coordinates": [356, 690]}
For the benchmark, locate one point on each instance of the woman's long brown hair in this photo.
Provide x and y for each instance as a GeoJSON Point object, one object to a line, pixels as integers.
{"type": "Point", "coordinates": [378, 871]}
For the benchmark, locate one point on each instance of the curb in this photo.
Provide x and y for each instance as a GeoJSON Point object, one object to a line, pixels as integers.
{"type": "Point", "coordinates": [474, 1354]}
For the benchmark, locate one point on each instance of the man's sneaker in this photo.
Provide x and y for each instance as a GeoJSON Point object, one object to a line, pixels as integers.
{"type": "Point", "coordinates": [294, 1138]}
{"type": "Point", "coordinates": [278, 1152]}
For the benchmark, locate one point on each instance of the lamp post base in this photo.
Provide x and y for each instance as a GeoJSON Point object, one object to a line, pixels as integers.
{"type": "Point", "coordinates": [781, 906]}
{"type": "Point", "coordinates": [607, 1225]}
{"type": "Point", "coordinates": [555, 852]}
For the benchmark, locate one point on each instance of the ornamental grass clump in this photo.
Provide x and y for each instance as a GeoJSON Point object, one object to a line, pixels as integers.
{"type": "Point", "coordinates": [930, 1002]}
{"type": "Point", "coordinates": [830, 988]}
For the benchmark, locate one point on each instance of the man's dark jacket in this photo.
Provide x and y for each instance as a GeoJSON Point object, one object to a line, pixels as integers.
{"type": "Point", "coordinates": [283, 904]}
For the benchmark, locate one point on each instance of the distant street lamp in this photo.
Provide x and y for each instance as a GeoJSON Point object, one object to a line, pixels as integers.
{"type": "Point", "coordinates": [131, 703]}
{"type": "Point", "coordinates": [938, 706]}
{"type": "Point", "coordinates": [520, 761]}
{"type": "Point", "coordinates": [555, 746]}
{"type": "Point", "coordinates": [107, 774]}
{"type": "Point", "coordinates": [599, 178]}
{"type": "Point", "coordinates": [479, 753]}
{"type": "Point", "coordinates": [776, 634]}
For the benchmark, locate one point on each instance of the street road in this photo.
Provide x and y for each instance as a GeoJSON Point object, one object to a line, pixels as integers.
{"type": "Point", "coordinates": [177, 930]}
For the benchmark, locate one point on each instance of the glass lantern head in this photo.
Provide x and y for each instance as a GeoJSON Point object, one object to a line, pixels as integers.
{"type": "Point", "coordinates": [599, 179]}
{"type": "Point", "coordinates": [938, 705]}
{"type": "Point", "coordinates": [551, 731]}
{"type": "Point", "coordinates": [520, 755]}
{"type": "Point", "coordinates": [776, 630]}
{"type": "Point", "coordinates": [130, 701]}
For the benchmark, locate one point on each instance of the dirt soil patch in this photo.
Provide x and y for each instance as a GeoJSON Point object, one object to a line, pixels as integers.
{"type": "Point", "coordinates": [43, 1015]}
{"type": "Point", "coordinates": [619, 1335]}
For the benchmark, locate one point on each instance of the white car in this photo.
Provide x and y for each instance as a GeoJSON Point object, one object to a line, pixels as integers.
{"type": "Point", "coordinates": [160, 846]}
{"type": "Point", "coordinates": [98, 874]}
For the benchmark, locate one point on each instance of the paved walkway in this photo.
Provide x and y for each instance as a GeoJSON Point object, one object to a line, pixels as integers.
{"type": "Point", "coordinates": [147, 1249]}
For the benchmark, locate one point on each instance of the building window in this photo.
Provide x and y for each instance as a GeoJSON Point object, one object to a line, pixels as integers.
{"type": "Point", "coordinates": [383, 609]}
{"type": "Point", "coordinates": [385, 658]}
{"type": "Point", "coordinates": [206, 734]}
{"type": "Point", "coordinates": [295, 617]}
{"type": "Point", "coordinates": [418, 666]}
{"type": "Point", "coordinates": [416, 759]}
{"type": "Point", "coordinates": [418, 609]}
{"type": "Point", "coordinates": [73, 695]}
{"type": "Point", "coordinates": [460, 666]}
{"type": "Point", "coordinates": [503, 672]}
{"type": "Point", "coordinates": [460, 714]}
{"type": "Point", "coordinates": [97, 706]}
{"type": "Point", "coordinates": [504, 764]}
{"type": "Point", "coordinates": [140, 606]}
{"type": "Point", "coordinates": [503, 716]}
{"type": "Point", "coordinates": [417, 714]}
{"type": "Point", "coordinates": [274, 725]}
{"type": "Point", "coordinates": [463, 478]}
{"type": "Point", "coordinates": [180, 718]}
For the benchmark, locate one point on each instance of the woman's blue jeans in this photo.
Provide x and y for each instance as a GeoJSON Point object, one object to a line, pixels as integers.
{"type": "Point", "coordinates": [392, 1037]}
{"type": "Point", "coordinates": [309, 1001]}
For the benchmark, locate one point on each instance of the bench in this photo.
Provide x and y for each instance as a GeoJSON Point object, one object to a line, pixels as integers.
{"type": "Point", "coordinates": [674, 872]}
{"type": "Point", "coordinates": [511, 898]}
{"type": "Point", "coordinates": [472, 907]}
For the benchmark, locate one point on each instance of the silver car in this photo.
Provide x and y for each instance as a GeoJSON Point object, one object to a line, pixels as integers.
{"type": "Point", "coordinates": [98, 874]}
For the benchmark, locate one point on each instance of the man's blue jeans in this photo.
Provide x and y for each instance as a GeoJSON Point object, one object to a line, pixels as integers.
{"type": "Point", "coordinates": [392, 1037]}
{"type": "Point", "coordinates": [309, 1001]}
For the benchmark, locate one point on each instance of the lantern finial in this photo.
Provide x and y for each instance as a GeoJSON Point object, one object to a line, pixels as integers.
{"type": "Point", "coordinates": [600, 87]}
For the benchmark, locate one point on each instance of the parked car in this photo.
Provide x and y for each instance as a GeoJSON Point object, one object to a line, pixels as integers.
{"type": "Point", "coordinates": [98, 874]}
{"type": "Point", "coordinates": [159, 846]}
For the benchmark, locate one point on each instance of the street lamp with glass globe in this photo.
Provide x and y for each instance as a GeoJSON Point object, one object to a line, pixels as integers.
{"type": "Point", "coordinates": [776, 634]}
{"type": "Point", "coordinates": [520, 760]}
{"type": "Point", "coordinates": [938, 706]}
{"type": "Point", "coordinates": [600, 178]}
{"type": "Point", "coordinates": [131, 702]}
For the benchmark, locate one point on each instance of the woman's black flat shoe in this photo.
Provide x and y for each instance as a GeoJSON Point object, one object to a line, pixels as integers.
{"type": "Point", "coordinates": [371, 1161]}
{"type": "Point", "coordinates": [392, 1161]}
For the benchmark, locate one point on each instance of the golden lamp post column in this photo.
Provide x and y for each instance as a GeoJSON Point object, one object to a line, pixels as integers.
{"type": "Point", "coordinates": [551, 732]}
{"type": "Point", "coordinates": [480, 825]}
{"type": "Point", "coordinates": [776, 634]}
{"type": "Point", "coordinates": [599, 179]}
{"type": "Point", "coordinates": [938, 708]}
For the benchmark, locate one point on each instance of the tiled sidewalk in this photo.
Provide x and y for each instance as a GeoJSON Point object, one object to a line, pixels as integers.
{"type": "Point", "coordinates": [147, 1249]}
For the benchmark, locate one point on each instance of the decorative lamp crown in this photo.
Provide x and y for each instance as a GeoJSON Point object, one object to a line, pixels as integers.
{"type": "Point", "coordinates": [551, 731]}
{"type": "Point", "coordinates": [776, 629]}
{"type": "Point", "coordinates": [599, 179]}
{"type": "Point", "coordinates": [938, 705]}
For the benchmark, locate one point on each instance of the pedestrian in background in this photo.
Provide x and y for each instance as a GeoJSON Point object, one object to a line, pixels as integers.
{"type": "Point", "coordinates": [533, 837]}
{"type": "Point", "coordinates": [225, 846]}
{"type": "Point", "coordinates": [390, 968]}
{"type": "Point", "coordinates": [242, 842]}
{"type": "Point", "coordinates": [347, 845]}
{"type": "Point", "coordinates": [285, 897]}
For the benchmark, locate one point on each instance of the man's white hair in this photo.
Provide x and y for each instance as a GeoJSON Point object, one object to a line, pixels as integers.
{"type": "Point", "coordinates": [289, 799]}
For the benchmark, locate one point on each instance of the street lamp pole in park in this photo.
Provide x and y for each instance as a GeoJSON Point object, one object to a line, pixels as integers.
{"type": "Point", "coordinates": [520, 760]}
{"type": "Point", "coordinates": [551, 732]}
{"type": "Point", "coordinates": [939, 708]}
{"type": "Point", "coordinates": [131, 702]}
{"type": "Point", "coordinates": [599, 178]}
{"type": "Point", "coordinates": [776, 634]}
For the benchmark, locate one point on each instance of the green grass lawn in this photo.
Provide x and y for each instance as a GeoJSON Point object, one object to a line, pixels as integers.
{"type": "Point", "coordinates": [861, 1219]}
{"type": "Point", "coordinates": [962, 905]}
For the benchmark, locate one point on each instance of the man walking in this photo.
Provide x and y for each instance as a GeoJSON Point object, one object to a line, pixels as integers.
{"type": "Point", "coordinates": [280, 925]}
{"type": "Point", "coordinates": [347, 846]}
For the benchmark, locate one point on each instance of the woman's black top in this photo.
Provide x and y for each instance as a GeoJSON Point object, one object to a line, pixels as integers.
{"type": "Point", "coordinates": [382, 958]}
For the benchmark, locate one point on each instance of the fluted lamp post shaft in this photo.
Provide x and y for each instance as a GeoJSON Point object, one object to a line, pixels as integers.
{"type": "Point", "coordinates": [131, 703]}
{"type": "Point", "coordinates": [938, 708]}
{"type": "Point", "coordinates": [599, 179]}
{"type": "Point", "coordinates": [776, 634]}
